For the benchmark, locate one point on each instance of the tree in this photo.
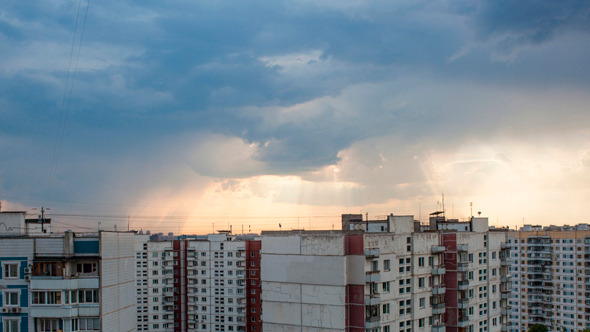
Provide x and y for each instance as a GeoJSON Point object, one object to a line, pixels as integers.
{"type": "Point", "coordinates": [538, 328]}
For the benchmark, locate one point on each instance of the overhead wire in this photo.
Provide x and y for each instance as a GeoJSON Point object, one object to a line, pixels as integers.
{"type": "Point", "coordinates": [66, 100]}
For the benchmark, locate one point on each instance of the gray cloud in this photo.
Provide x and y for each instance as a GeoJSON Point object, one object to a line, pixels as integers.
{"type": "Point", "coordinates": [164, 76]}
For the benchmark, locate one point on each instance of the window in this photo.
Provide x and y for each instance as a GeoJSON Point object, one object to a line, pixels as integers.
{"type": "Point", "coordinates": [421, 282]}
{"type": "Point", "coordinates": [11, 298]}
{"type": "Point", "coordinates": [10, 271]}
{"type": "Point", "coordinates": [387, 265]}
{"type": "Point", "coordinates": [50, 269]}
{"type": "Point", "coordinates": [11, 325]}
{"type": "Point", "coordinates": [422, 302]}
{"type": "Point", "coordinates": [385, 309]}
{"type": "Point", "coordinates": [47, 324]}
{"type": "Point", "coordinates": [88, 296]}
{"type": "Point", "coordinates": [420, 261]}
{"type": "Point", "coordinates": [386, 288]}
{"type": "Point", "coordinates": [47, 297]}
{"type": "Point", "coordinates": [89, 324]}
{"type": "Point", "coordinates": [86, 267]}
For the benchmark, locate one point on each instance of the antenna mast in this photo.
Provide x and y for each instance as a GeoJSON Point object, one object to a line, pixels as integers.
{"type": "Point", "coordinates": [443, 204]}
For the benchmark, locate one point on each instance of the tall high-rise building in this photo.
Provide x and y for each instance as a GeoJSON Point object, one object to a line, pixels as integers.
{"type": "Point", "coordinates": [550, 277]}
{"type": "Point", "coordinates": [386, 275]}
{"type": "Point", "coordinates": [64, 282]}
{"type": "Point", "coordinates": [200, 283]}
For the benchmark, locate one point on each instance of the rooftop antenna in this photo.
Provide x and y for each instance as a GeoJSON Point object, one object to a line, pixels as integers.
{"type": "Point", "coordinates": [471, 209]}
{"type": "Point", "coordinates": [280, 226]}
{"type": "Point", "coordinates": [443, 204]}
{"type": "Point", "coordinates": [128, 223]}
{"type": "Point", "coordinates": [43, 218]}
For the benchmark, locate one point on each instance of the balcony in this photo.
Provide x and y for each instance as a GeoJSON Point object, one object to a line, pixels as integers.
{"type": "Point", "coordinates": [505, 261]}
{"type": "Point", "coordinates": [462, 247]}
{"type": "Point", "coordinates": [505, 296]}
{"type": "Point", "coordinates": [372, 322]}
{"type": "Point", "coordinates": [438, 271]}
{"type": "Point", "coordinates": [64, 311]}
{"type": "Point", "coordinates": [463, 267]}
{"type": "Point", "coordinates": [505, 245]}
{"type": "Point", "coordinates": [439, 328]}
{"type": "Point", "coordinates": [372, 276]}
{"type": "Point", "coordinates": [372, 299]}
{"type": "Point", "coordinates": [372, 252]}
{"type": "Point", "coordinates": [463, 322]}
{"type": "Point", "coordinates": [438, 249]}
{"type": "Point", "coordinates": [504, 328]}
{"type": "Point", "coordinates": [463, 285]}
{"type": "Point", "coordinates": [463, 303]}
{"type": "Point", "coordinates": [438, 309]}
{"type": "Point", "coordinates": [437, 290]}
{"type": "Point", "coordinates": [47, 283]}
{"type": "Point", "coordinates": [506, 278]}
{"type": "Point", "coordinates": [504, 312]}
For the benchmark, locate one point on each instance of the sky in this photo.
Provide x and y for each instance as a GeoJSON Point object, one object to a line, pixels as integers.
{"type": "Point", "coordinates": [192, 116]}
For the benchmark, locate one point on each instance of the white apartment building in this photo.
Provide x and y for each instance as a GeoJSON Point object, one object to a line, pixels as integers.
{"type": "Point", "coordinates": [395, 277]}
{"type": "Point", "coordinates": [551, 277]}
{"type": "Point", "coordinates": [64, 282]}
{"type": "Point", "coordinates": [197, 284]}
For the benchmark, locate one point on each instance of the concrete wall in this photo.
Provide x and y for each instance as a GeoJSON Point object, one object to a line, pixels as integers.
{"type": "Point", "coordinates": [304, 279]}
{"type": "Point", "coordinates": [12, 223]}
{"type": "Point", "coordinates": [117, 269]}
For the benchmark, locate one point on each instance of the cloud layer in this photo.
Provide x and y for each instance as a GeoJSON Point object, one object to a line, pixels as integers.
{"type": "Point", "coordinates": [297, 107]}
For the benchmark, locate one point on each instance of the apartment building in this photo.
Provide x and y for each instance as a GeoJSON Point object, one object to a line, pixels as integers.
{"type": "Point", "coordinates": [198, 283]}
{"type": "Point", "coordinates": [64, 282]}
{"type": "Point", "coordinates": [550, 277]}
{"type": "Point", "coordinates": [391, 274]}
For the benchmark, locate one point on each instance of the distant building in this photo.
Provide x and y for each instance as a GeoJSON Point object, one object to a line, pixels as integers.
{"type": "Point", "coordinates": [199, 283]}
{"type": "Point", "coordinates": [551, 277]}
{"type": "Point", "coordinates": [64, 282]}
{"type": "Point", "coordinates": [397, 276]}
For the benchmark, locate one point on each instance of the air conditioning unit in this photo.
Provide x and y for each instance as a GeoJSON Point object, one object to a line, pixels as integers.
{"type": "Point", "coordinates": [15, 310]}
{"type": "Point", "coordinates": [27, 278]}
{"type": "Point", "coordinates": [28, 270]}
{"type": "Point", "coordinates": [5, 310]}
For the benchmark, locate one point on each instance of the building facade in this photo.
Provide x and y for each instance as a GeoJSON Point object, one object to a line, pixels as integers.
{"type": "Point", "coordinates": [397, 276]}
{"type": "Point", "coordinates": [204, 283]}
{"type": "Point", "coordinates": [551, 274]}
{"type": "Point", "coordinates": [64, 282]}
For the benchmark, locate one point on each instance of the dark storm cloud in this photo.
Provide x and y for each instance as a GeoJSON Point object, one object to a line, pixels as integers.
{"type": "Point", "coordinates": [152, 71]}
{"type": "Point", "coordinates": [530, 22]}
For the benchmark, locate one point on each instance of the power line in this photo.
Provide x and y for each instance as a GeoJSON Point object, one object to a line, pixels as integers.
{"type": "Point", "coordinates": [65, 107]}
